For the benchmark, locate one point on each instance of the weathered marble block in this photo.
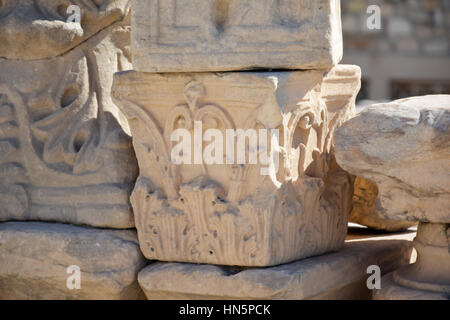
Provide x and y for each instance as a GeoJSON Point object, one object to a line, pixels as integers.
{"type": "Point", "coordinates": [339, 275]}
{"type": "Point", "coordinates": [224, 35]}
{"type": "Point", "coordinates": [404, 147]}
{"type": "Point", "coordinates": [365, 211]}
{"type": "Point", "coordinates": [35, 257]}
{"type": "Point", "coordinates": [231, 214]}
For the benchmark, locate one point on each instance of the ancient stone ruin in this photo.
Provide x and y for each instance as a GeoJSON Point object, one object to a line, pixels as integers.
{"type": "Point", "coordinates": [231, 214]}
{"type": "Point", "coordinates": [65, 154]}
{"type": "Point", "coordinates": [208, 149]}
{"type": "Point", "coordinates": [414, 183]}
{"type": "Point", "coordinates": [61, 133]}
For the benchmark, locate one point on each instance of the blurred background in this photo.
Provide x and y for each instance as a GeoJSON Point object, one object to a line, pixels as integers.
{"type": "Point", "coordinates": [408, 56]}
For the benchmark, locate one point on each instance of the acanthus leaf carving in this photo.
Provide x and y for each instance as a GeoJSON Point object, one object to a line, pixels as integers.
{"type": "Point", "coordinates": [231, 214]}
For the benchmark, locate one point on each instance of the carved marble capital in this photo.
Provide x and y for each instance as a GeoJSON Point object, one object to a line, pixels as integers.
{"type": "Point", "coordinates": [230, 214]}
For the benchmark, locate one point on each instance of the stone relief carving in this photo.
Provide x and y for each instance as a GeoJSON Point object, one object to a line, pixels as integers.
{"type": "Point", "coordinates": [65, 153]}
{"type": "Point", "coordinates": [12, 175]}
{"type": "Point", "coordinates": [224, 35]}
{"type": "Point", "coordinates": [231, 214]}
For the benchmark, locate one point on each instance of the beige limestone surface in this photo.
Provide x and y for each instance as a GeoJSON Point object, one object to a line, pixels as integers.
{"type": "Point", "coordinates": [340, 275]}
{"type": "Point", "coordinates": [65, 149]}
{"type": "Point", "coordinates": [358, 232]}
{"type": "Point", "coordinates": [40, 29]}
{"type": "Point", "coordinates": [393, 291]}
{"type": "Point", "coordinates": [232, 214]}
{"type": "Point", "coordinates": [225, 35]}
{"type": "Point", "coordinates": [404, 147]}
{"type": "Point", "coordinates": [34, 258]}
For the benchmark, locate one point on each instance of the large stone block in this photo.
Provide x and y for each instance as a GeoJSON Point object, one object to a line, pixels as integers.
{"type": "Point", "coordinates": [341, 275]}
{"type": "Point", "coordinates": [65, 148]}
{"type": "Point", "coordinates": [227, 213]}
{"type": "Point", "coordinates": [224, 35]}
{"type": "Point", "coordinates": [35, 257]}
{"type": "Point", "coordinates": [404, 147]}
{"type": "Point", "coordinates": [31, 30]}
{"type": "Point", "coordinates": [365, 211]}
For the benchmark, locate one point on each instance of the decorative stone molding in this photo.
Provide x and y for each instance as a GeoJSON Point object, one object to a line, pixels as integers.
{"type": "Point", "coordinates": [412, 175]}
{"type": "Point", "coordinates": [231, 214]}
{"type": "Point", "coordinates": [42, 29]}
{"type": "Point", "coordinates": [225, 35]}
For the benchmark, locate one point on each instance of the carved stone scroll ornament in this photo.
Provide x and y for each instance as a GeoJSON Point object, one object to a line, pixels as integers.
{"type": "Point", "coordinates": [230, 214]}
{"type": "Point", "coordinates": [227, 35]}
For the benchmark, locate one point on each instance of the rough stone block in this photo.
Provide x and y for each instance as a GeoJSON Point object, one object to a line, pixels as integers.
{"type": "Point", "coordinates": [223, 35]}
{"type": "Point", "coordinates": [32, 30]}
{"type": "Point", "coordinates": [340, 275]}
{"type": "Point", "coordinates": [35, 256]}
{"type": "Point", "coordinates": [365, 212]}
{"type": "Point", "coordinates": [429, 277]}
{"type": "Point", "coordinates": [231, 214]}
{"type": "Point", "coordinates": [404, 147]}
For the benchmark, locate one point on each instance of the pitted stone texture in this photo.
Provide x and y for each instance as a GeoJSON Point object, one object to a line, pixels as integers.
{"type": "Point", "coordinates": [38, 29]}
{"type": "Point", "coordinates": [34, 258]}
{"type": "Point", "coordinates": [232, 214]}
{"type": "Point", "coordinates": [65, 149]}
{"type": "Point", "coordinates": [393, 291]}
{"type": "Point", "coordinates": [403, 147]}
{"type": "Point", "coordinates": [224, 35]}
{"type": "Point", "coordinates": [340, 275]}
{"type": "Point", "coordinates": [364, 212]}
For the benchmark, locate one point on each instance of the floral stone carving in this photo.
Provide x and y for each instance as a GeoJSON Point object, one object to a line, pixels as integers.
{"type": "Point", "coordinates": [231, 214]}
{"type": "Point", "coordinates": [65, 148]}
